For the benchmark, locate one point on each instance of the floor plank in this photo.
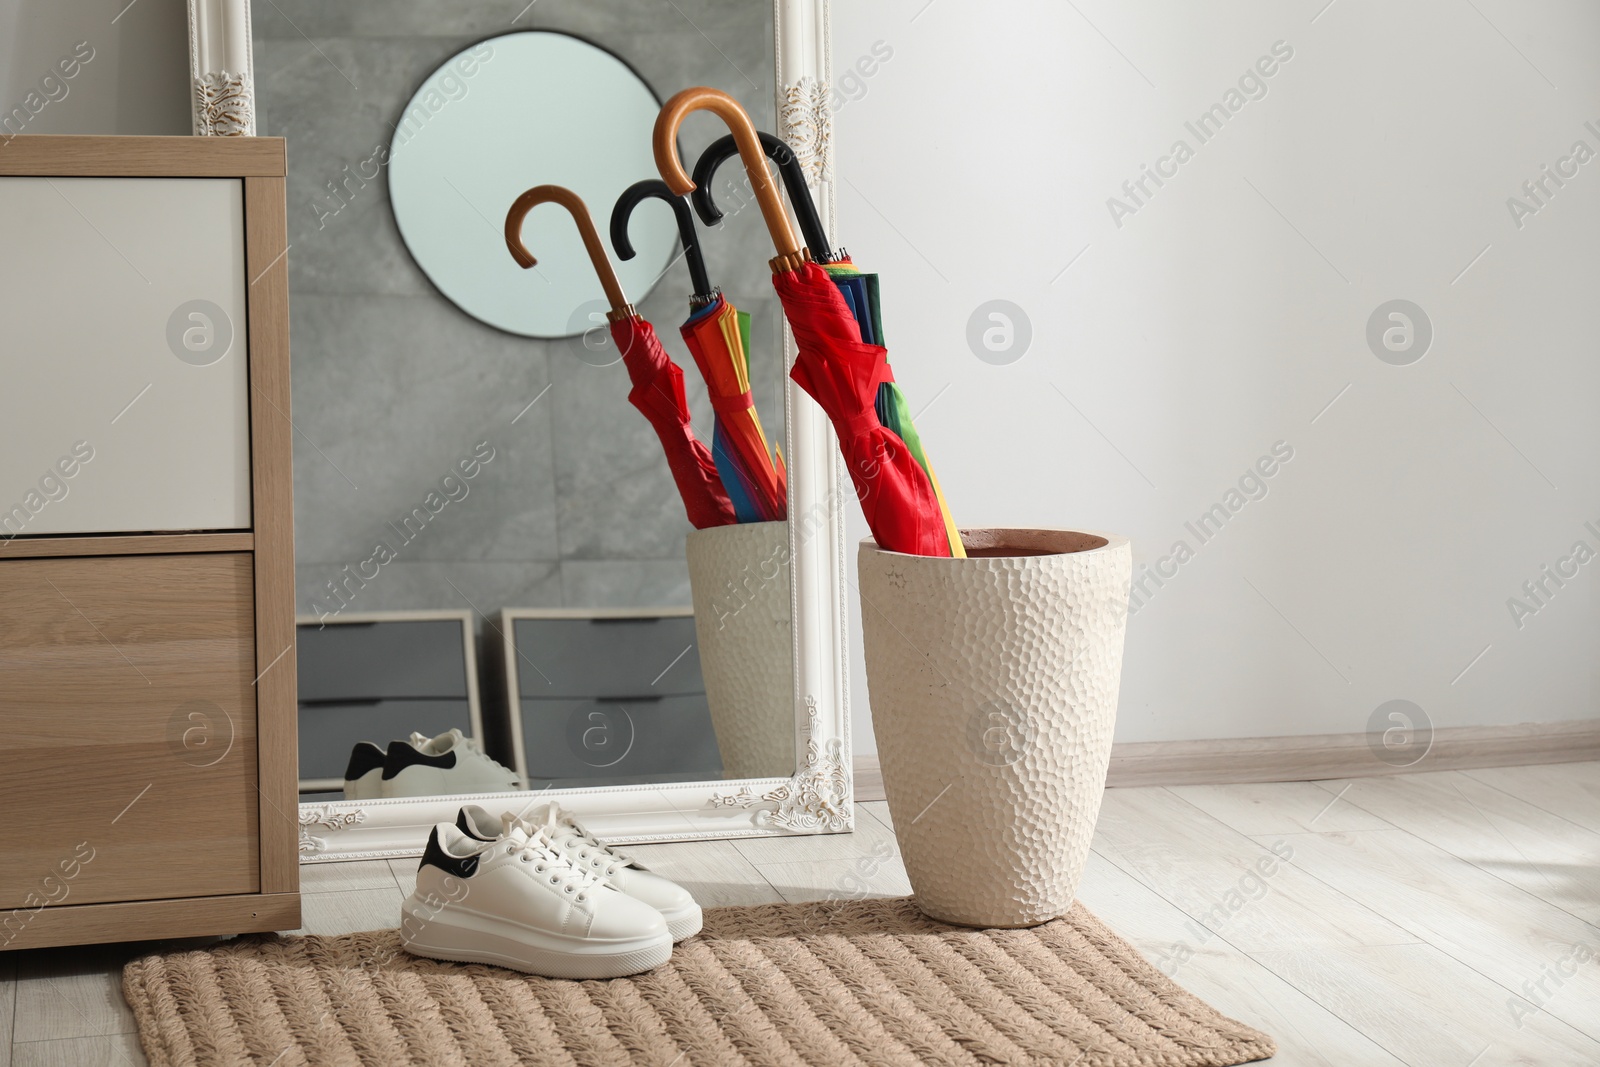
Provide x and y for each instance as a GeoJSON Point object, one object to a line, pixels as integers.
{"type": "Point", "coordinates": [114, 1050]}
{"type": "Point", "coordinates": [404, 873]}
{"type": "Point", "coordinates": [870, 836]}
{"type": "Point", "coordinates": [1570, 790]}
{"type": "Point", "coordinates": [8, 1004]}
{"type": "Point", "coordinates": [1250, 889]}
{"type": "Point", "coordinates": [72, 992]}
{"type": "Point", "coordinates": [838, 867]}
{"type": "Point", "coordinates": [1429, 1009]}
{"type": "Point", "coordinates": [1496, 929]}
{"type": "Point", "coordinates": [853, 878]}
{"type": "Point", "coordinates": [878, 809]}
{"type": "Point", "coordinates": [351, 912]}
{"type": "Point", "coordinates": [1532, 849]}
{"type": "Point", "coordinates": [344, 877]}
{"type": "Point", "coordinates": [1223, 975]}
{"type": "Point", "coordinates": [1281, 808]}
{"type": "Point", "coordinates": [716, 872]}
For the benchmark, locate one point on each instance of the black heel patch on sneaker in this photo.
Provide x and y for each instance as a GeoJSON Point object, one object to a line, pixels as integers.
{"type": "Point", "coordinates": [402, 755]}
{"type": "Point", "coordinates": [365, 757]}
{"type": "Point", "coordinates": [435, 856]}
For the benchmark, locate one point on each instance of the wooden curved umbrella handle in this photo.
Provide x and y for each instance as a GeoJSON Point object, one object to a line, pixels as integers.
{"type": "Point", "coordinates": [702, 98]}
{"type": "Point", "coordinates": [574, 204]}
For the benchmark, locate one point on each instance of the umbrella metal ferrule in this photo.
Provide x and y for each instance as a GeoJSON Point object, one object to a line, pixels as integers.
{"type": "Point", "coordinates": [618, 314]}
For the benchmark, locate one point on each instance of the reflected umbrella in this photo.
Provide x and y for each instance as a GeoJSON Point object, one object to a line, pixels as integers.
{"type": "Point", "coordinates": [718, 336]}
{"type": "Point", "coordinates": [657, 381]}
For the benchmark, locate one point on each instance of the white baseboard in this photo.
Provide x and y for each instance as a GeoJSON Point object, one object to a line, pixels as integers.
{"type": "Point", "coordinates": [1319, 756]}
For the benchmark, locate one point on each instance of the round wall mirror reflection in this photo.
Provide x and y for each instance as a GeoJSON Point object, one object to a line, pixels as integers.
{"type": "Point", "coordinates": [499, 117]}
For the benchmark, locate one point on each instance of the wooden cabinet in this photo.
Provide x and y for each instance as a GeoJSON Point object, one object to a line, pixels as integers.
{"type": "Point", "coordinates": [147, 675]}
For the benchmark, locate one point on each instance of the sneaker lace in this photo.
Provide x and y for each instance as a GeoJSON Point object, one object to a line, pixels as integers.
{"type": "Point", "coordinates": [540, 850]}
{"type": "Point", "coordinates": [596, 854]}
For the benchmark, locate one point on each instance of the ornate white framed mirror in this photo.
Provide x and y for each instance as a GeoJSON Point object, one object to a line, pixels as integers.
{"type": "Point", "coordinates": [495, 463]}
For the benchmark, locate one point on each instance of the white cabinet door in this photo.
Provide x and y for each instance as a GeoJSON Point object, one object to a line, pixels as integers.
{"type": "Point", "coordinates": [124, 384]}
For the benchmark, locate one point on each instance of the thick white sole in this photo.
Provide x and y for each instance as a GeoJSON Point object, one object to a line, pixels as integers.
{"type": "Point", "coordinates": [418, 781]}
{"type": "Point", "coordinates": [468, 937]}
{"type": "Point", "coordinates": [368, 787]}
{"type": "Point", "coordinates": [684, 924]}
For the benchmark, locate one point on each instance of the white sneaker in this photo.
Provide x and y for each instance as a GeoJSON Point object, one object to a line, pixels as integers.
{"type": "Point", "coordinates": [447, 764]}
{"type": "Point", "coordinates": [363, 775]}
{"type": "Point", "coordinates": [589, 853]}
{"type": "Point", "coordinates": [517, 902]}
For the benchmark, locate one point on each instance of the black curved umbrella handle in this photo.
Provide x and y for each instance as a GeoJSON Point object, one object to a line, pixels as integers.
{"type": "Point", "coordinates": [794, 180]}
{"type": "Point", "coordinates": [655, 188]}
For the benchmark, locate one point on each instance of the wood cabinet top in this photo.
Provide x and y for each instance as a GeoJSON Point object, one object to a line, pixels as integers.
{"type": "Point", "coordinates": [143, 157]}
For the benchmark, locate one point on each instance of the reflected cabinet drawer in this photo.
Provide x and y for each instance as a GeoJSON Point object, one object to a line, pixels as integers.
{"type": "Point", "coordinates": [601, 656]}
{"type": "Point", "coordinates": [619, 738]}
{"type": "Point", "coordinates": [126, 406]}
{"type": "Point", "coordinates": [129, 767]}
{"type": "Point", "coordinates": [373, 659]}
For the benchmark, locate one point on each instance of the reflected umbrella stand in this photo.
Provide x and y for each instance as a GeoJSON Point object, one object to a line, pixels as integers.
{"type": "Point", "coordinates": [718, 336]}
{"type": "Point", "coordinates": [738, 570]}
{"type": "Point", "coordinates": [834, 312]}
{"type": "Point", "coordinates": [657, 381]}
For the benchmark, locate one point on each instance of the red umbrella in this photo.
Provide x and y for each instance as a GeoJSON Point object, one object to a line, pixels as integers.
{"type": "Point", "coordinates": [839, 369]}
{"type": "Point", "coordinates": [718, 336]}
{"type": "Point", "coordinates": [843, 373]}
{"type": "Point", "coordinates": [657, 381]}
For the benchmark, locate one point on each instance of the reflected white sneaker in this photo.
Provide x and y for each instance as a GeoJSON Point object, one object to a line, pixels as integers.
{"type": "Point", "coordinates": [518, 902]}
{"type": "Point", "coordinates": [590, 854]}
{"type": "Point", "coordinates": [449, 763]}
{"type": "Point", "coordinates": [363, 775]}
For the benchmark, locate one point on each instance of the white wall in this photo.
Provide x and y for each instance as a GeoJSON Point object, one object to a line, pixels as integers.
{"type": "Point", "coordinates": [135, 80]}
{"type": "Point", "coordinates": [1228, 311]}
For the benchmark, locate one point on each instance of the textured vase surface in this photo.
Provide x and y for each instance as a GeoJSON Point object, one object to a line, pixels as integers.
{"type": "Point", "coordinates": [739, 581]}
{"type": "Point", "coordinates": [993, 685]}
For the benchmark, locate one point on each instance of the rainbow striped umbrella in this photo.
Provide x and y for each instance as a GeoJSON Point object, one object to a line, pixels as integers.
{"type": "Point", "coordinates": [860, 293]}
{"type": "Point", "coordinates": [753, 474]}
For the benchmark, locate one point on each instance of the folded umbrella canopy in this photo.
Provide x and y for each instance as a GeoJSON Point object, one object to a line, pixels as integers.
{"type": "Point", "coordinates": [837, 324]}
{"type": "Point", "coordinates": [657, 381]}
{"type": "Point", "coordinates": [718, 336]}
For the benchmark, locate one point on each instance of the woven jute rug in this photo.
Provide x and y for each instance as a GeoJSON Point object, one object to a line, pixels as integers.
{"type": "Point", "coordinates": [858, 982]}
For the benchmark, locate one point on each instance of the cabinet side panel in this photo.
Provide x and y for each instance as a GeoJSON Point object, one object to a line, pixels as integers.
{"type": "Point", "coordinates": [272, 456]}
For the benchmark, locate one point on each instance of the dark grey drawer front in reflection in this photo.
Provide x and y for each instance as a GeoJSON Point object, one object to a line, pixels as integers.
{"type": "Point", "coordinates": [618, 738]}
{"type": "Point", "coordinates": [329, 731]}
{"type": "Point", "coordinates": [607, 657]}
{"type": "Point", "coordinates": [373, 660]}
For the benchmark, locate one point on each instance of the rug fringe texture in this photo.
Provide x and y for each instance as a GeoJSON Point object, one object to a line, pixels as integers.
{"type": "Point", "coordinates": [831, 983]}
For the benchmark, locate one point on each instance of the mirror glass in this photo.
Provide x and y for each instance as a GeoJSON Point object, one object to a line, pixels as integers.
{"type": "Point", "coordinates": [498, 584]}
{"type": "Point", "coordinates": [517, 105]}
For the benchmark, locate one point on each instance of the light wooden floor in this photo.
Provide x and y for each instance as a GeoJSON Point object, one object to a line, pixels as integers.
{"type": "Point", "coordinates": [1426, 919]}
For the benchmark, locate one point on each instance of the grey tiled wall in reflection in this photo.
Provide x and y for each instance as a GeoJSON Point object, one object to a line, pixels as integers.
{"type": "Point", "coordinates": [393, 385]}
